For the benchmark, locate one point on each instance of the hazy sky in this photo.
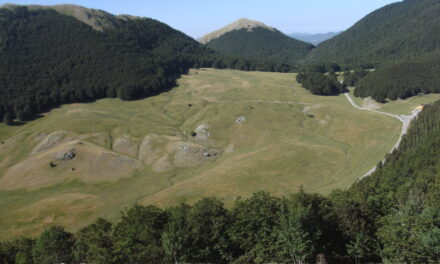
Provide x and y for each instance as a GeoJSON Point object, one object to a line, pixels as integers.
{"type": "Point", "coordinates": [198, 17]}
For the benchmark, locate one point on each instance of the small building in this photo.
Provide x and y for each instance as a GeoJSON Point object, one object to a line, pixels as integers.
{"type": "Point", "coordinates": [420, 107]}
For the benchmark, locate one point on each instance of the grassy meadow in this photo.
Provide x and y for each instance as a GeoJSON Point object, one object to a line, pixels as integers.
{"type": "Point", "coordinates": [255, 131]}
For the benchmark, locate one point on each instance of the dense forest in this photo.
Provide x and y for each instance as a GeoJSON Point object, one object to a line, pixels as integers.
{"type": "Point", "coordinates": [261, 43]}
{"type": "Point", "coordinates": [351, 78]}
{"type": "Point", "coordinates": [398, 31]}
{"type": "Point", "coordinates": [391, 216]}
{"type": "Point", "coordinates": [320, 79]}
{"type": "Point", "coordinates": [50, 59]}
{"type": "Point", "coordinates": [403, 79]}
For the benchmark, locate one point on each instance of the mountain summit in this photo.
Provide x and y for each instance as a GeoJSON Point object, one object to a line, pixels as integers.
{"type": "Point", "coordinates": [253, 39]}
{"type": "Point", "coordinates": [242, 23]}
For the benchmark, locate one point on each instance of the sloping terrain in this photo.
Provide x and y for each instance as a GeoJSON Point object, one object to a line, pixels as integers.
{"type": "Point", "coordinates": [314, 39]}
{"type": "Point", "coordinates": [397, 31]}
{"type": "Point", "coordinates": [402, 79]}
{"type": "Point", "coordinates": [50, 58]}
{"type": "Point", "coordinates": [220, 132]}
{"type": "Point", "coordinates": [254, 39]}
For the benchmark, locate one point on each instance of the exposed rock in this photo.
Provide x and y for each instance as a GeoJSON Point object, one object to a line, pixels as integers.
{"type": "Point", "coordinates": [65, 156]}
{"type": "Point", "coordinates": [50, 141]}
{"type": "Point", "coordinates": [151, 148]}
{"type": "Point", "coordinates": [242, 23]}
{"type": "Point", "coordinates": [97, 19]}
{"type": "Point", "coordinates": [202, 132]}
{"type": "Point", "coordinates": [164, 153]}
{"type": "Point", "coordinates": [125, 145]}
{"type": "Point", "coordinates": [230, 148]}
{"type": "Point", "coordinates": [240, 119]}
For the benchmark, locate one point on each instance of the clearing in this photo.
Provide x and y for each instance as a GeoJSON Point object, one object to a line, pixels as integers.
{"type": "Point", "coordinates": [220, 133]}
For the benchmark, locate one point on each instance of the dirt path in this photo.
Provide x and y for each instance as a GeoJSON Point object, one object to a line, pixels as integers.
{"type": "Point", "coordinates": [405, 119]}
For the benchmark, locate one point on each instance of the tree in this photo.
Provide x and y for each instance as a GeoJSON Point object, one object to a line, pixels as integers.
{"type": "Point", "coordinates": [410, 234]}
{"type": "Point", "coordinates": [8, 119]}
{"type": "Point", "coordinates": [24, 248]}
{"type": "Point", "coordinates": [208, 222]}
{"type": "Point", "coordinates": [360, 247]}
{"type": "Point", "coordinates": [175, 236]}
{"type": "Point", "coordinates": [292, 234]}
{"type": "Point", "coordinates": [94, 243]}
{"type": "Point", "coordinates": [54, 246]}
{"type": "Point", "coordinates": [253, 228]}
{"type": "Point", "coordinates": [137, 237]}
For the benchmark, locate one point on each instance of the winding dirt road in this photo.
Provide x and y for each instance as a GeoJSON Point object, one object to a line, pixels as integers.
{"type": "Point", "coordinates": [405, 119]}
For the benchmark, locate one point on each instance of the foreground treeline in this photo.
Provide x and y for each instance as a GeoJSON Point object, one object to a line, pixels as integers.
{"type": "Point", "coordinates": [403, 79]}
{"type": "Point", "coordinates": [49, 59]}
{"type": "Point", "coordinates": [393, 216]}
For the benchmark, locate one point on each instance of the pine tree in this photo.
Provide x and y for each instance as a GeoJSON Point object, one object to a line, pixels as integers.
{"type": "Point", "coordinates": [7, 119]}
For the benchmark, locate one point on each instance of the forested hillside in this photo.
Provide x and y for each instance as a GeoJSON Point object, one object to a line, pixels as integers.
{"type": "Point", "coordinates": [261, 43]}
{"type": "Point", "coordinates": [50, 59]}
{"type": "Point", "coordinates": [398, 31]}
{"type": "Point", "coordinates": [402, 80]}
{"type": "Point", "coordinates": [391, 216]}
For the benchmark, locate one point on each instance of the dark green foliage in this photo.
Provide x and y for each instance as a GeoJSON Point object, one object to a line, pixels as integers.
{"type": "Point", "coordinates": [175, 238]}
{"type": "Point", "coordinates": [7, 119]}
{"type": "Point", "coordinates": [322, 67]}
{"type": "Point", "coordinates": [320, 84]}
{"type": "Point", "coordinates": [50, 59]}
{"type": "Point", "coordinates": [261, 43]}
{"type": "Point", "coordinates": [208, 223]}
{"type": "Point", "coordinates": [398, 31]}
{"type": "Point", "coordinates": [137, 237]}
{"type": "Point", "coordinates": [405, 191]}
{"type": "Point", "coordinates": [94, 243]}
{"type": "Point", "coordinates": [18, 251]}
{"type": "Point", "coordinates": [402, 80]}
{"type": "Point", "coordinates": [352, 77]}
{"type": "Point", "coordinates": [252, 231]}
{"type": "Point", "coordinates": [54, 246]}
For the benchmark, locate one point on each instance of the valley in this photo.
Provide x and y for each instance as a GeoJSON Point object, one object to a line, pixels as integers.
{"type": "Point", "coordinates": [222, 133]}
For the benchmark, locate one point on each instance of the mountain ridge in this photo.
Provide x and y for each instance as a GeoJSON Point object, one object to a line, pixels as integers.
{"type": "Point", "coordinates": [392, 33]}
{"type": "Point", "coordinates": [242, 23]}
{"type": "Point", "coordinates": [314, 39]}
{"type": "Point", "coordinates": [252, 39]}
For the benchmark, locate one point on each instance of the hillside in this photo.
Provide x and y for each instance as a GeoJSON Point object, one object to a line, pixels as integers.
{"type": "Point", "coordinates": [389, 217]}
{"type": "Point", "coordinates": [403, 79]}
{"type": "Point", "coordinates": [219, 133]}
{"type": "Point", "coordinates": [314, 39]}
{"type": "Point", "coordinates": [397, 31]}
{"type": "Point", "coordinates": [49, 59]}
{"type": "Point", "coordinates": [63, 54]}
{"type": "Point", "coordinates": [253, 39]}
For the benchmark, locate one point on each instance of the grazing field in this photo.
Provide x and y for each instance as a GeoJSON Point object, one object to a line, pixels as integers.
{"type": "Point", "coordinates": [219, 133]}
{"type": "Point", "coordinates": [397, 107]}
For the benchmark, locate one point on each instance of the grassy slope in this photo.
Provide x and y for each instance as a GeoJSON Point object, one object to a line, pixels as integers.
{"type": "Point", "coordinates": [400, 107]}
{"type": "Point", "coordinates": [278, 148]}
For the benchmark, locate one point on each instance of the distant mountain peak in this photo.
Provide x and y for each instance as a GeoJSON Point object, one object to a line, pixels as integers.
{"type": "Point", "coordinates": [97, 19]}
{"type": "Point", "coordinates": [242, 23]}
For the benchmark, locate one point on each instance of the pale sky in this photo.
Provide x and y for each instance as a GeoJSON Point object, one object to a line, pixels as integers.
{"type": "Point", "coordinates": [199, 17]}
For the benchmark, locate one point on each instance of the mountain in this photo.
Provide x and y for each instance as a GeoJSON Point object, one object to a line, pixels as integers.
{"type": "Point", "coordinates": [395, 32]}
{"type": "Point", "coordinates": [402, 79]}
{"type": "Point", "coordinates": [50, 58]}
{"type": "Point", "coordinates": [52, 55]}
{"type": "Point", "coordinates": [248, 38]}
{"type": "Point", "coordinates": [314, 39]}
